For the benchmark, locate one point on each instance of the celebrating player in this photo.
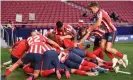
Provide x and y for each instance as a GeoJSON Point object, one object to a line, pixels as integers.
{"type": "Point", "coordinates": [37, 46]}
{"type": "Point", "coordinates": [110, 34]}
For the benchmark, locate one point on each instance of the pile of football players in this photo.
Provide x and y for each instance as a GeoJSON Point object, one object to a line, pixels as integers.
{"type": "Point", "coordinates": [63, 50]}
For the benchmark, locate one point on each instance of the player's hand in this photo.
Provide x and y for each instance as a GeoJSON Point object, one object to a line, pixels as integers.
{"type": "Point", "coordinates": [10, 50]}
{"type": "Point", "coordinates": [58, 74]}
{"type": "Point", "coordinates": [89, 30]}
{"type": "Point", "coordinates": [67, 74]}
{"type": "Point", "coordinates": [76, 44]}
{"type": "Point", "coordinates": [61, 37]}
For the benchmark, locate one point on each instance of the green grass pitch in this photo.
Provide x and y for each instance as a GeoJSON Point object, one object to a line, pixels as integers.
{"type": "Point", "coordinates": [126, 48]}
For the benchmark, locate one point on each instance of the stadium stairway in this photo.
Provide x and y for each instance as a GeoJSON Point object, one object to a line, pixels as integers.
{"type": "Point", "coordinates": [76, 6]}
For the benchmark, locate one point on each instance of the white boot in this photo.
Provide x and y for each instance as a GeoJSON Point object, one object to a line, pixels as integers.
{"type": "Point", "coordinates": [114, 60]}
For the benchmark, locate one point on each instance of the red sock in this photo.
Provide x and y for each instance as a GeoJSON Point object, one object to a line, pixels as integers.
{"type": "Point", "coordinates": [91, 55]}
{"type": "Point", "coordinates": [108, 63]}
{"type": "Point", "coordinates": [84, 68]}
{"type": "Point", "coordinates": [46, 73]}
{"type": "Point", "coordinates": [107, 67]}
{"type": "Point", "coordinates": [97, 51]}
{"type": "Point", "coordinates": [119, 54]}
{"type": "Point", "coordinates": [27, 69]}
{"type": "Point", "coordinates": [101, 56]}
{"type": "Point", "coordinates": [110, 55]}
{"type": "Point", "coordinates": [7, 73]}
{"type": "Point", "coordinates": [89, 64]}
{"type": "Point", "coordinates": [80, 72]}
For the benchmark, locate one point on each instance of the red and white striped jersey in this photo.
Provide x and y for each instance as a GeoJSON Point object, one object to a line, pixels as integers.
{"type": "Point", "coordinates": [106, 21]}
{"type": "Point", "coordinates": [38, 44]}
{"type": "Point", "coordinates": [98, 33]}
{"type": "Point", "coordinates": [68, 29]}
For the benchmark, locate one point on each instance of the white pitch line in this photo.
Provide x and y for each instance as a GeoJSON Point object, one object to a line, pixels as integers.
{"type": "Point", "coordinates": [124, 72]}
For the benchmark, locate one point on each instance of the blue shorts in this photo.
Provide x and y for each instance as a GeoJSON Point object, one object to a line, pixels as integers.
{"type": "Point", "coordinates": [14, 59]}
{"type": "Point", "coordinates": [71, 64]}
{"type": "Point", "coordinates": [74, 57]}
{"type": "Point", "coordinates": [50, 60]}
{"type": "Point", "coordinates": [110, 37]}
{"type": "Point", "coordinates": [79, 52]}
{"type": "Point", "coordinates": [35, 58]}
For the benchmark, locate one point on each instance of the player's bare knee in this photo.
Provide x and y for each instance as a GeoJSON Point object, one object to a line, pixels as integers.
{"type": "Point", "coordinates": [41, 73]}
{"type": "Point", "coordinates": [103, 46]}
{"type": "Point", "coordinates": [19, 62]}
{"type": "Point", "coordinates": [108, 49]}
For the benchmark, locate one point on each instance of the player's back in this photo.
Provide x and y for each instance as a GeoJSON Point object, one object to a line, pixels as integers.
{"type": "Point", "coordinates": [20, 48]}
{"type": "Point", "coordinates": [106, 21]}
{"type": "Point", "coordinates": [36, 43]}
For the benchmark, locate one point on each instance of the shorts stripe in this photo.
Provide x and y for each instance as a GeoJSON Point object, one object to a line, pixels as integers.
{"type": "Point", "coordinates": [114, 35]}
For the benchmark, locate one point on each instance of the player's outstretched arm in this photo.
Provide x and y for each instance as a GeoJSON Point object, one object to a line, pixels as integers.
{"type": "Point", "coordinates": [84, 38]}
{"type": "Point", "coordinates": [97, 24]}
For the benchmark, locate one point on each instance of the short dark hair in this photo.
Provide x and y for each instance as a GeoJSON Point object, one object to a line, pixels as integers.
{"type": "Point", "coordinates": [59, 24]}
{"type": "Point", "coordinates": [93, 4]}
{"type": "Point", "coordinates": [51, 36]}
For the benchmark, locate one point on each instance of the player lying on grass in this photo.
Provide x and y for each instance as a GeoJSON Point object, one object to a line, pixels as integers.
{"type": "Point", "coordinates": [110, 34]}
{"type": "Point", "coordinates": [51, 62]}
{"type": "Point", "coordinates": [73, 58]}
{"type": "Point", "coordinates": [67, 43]}
{"type": "Point", "coordinates": [62, 32]}
{"type": "Point", "coordinates": [17, 51]}
{"type": "Point", "coordinates": [37, 46]}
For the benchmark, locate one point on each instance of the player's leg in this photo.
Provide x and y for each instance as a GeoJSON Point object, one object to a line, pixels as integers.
{"type": "Point", "coordinates": [50, 64]}
{"type": "Point", "coordinates": [47, 67]}
{"type": "Point", "coordinates": [28, 69]}
{"type": "Point", "coordinates": [25, 59]}
{"type": "Point", "coordinates": [110, 55]}
{"type": "Point", "coordinates": [95, 54]}
{"type": "Point", "coordinates": [11, 69]}
{"type": "Point", "coordinates": [96, 47]}
{"type": "Point", "coordinates": [74, 57]}
{"type": "Point", "coordinates": [12, 61]}
{"type": "Point", "coordinates": [113, 50]}
{"type": "Point", "coordinates": [81, 72]}
{"type": "Point", "coordinates": [71, 64]}
{"type": "Point", "coordinates": [79, 52]}
{"type": "Point", "coordinates": [37, 65]}
{"type": "Point", "coordinates": [104, 45]}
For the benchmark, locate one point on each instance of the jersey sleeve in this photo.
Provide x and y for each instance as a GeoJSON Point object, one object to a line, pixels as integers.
{"type": "Point", "coordinates": [70, 28]}
{"type": "Point", "coordinates": [99, 15]}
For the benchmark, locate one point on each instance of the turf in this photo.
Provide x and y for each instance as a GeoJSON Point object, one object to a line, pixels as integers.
{"type": "Point", "coordinates": [126, 48]}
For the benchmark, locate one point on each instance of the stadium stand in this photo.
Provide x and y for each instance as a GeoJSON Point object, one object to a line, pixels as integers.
{"type": "Point", "coordinates": [46, 12]}
{"type": "Point", "coordinates": [52, 11]}
{"type": "Point", "coordinates": [123, 8]}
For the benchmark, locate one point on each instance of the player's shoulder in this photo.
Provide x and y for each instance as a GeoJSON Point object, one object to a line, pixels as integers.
{"type": "Point", "coordinates": [100, 11]}
{"type": "Point", "coordinates": [67, 26]}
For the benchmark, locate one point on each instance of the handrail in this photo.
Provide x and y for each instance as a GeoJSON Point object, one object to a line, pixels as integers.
{"type": "Point", "coordinates": [7, 36]}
